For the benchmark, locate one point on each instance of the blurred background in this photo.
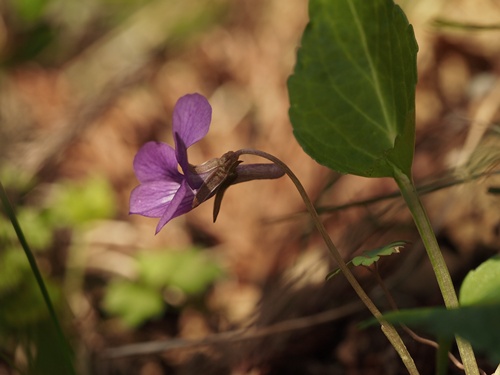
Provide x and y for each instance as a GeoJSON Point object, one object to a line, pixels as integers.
{"type": "Point", "coordinates": [83, 84]}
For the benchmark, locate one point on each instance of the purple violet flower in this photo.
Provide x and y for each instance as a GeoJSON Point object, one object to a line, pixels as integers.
{"type": "Point", "coordinates": [166, 193]}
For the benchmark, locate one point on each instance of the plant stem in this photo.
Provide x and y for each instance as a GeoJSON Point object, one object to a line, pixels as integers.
{"type": "Point", "coordinates": [38, 276]}
{"type": "Point", "coordinates": [438, 263]}
{"type": "Point", "coordinates": [388, 329]}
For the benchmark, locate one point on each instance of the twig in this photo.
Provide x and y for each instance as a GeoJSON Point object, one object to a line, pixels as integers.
{"type": "Point", "coordinates": [235, 335]}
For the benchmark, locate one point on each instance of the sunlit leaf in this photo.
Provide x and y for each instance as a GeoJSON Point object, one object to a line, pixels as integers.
{"type": "Point", "coordinates": [371, 256]}
{"type": "Point", "coordinates": [156, 267]}
{"type": "Point", "coordinates": [133, 302]}
{"type": "Point", "coordinates": [352, 94]}
{"type": "Point", "coordinates": [367, 258]}
{"type": "Point", "coordinates": [77, 203]}
{"type": "Point", "coordinates": [482, 285]}
{"type": "Point", "coordinates": [192, 271]}
{"type": "Point", "coordinates": [29, 11]}
{"type": "Point", "coordinates": [195, 274]}
{"type": "Point", "coordinates": [37, 228]}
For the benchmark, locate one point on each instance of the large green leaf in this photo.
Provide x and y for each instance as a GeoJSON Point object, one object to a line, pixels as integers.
{"type": "Point", "coordinates": [478, 324]}
{"type": "Point", "coordinates": [352, 95]}
{"type": "Point", "coordinates": [477, 320]}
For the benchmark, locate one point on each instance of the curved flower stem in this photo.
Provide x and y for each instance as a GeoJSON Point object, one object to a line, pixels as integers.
{"type": "Point", "coordinates": [387, 328]}
{"type": "Point", "coordinates": [39, 279]}
{"type": "Point", "coordinates": [443, 277]}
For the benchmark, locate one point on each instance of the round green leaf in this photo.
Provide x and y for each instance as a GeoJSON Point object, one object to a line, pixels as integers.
{"type": "Point", "coordinates": [482, 285]}
{"type": "Point", "coordinates": [352, 94]}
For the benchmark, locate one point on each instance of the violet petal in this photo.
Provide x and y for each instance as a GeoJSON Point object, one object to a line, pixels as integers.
{"type": "Point", "coordinates": [180, 204]}
{"type": "Point", "coordinates": [151, 199]}
{"type": "Point", "coordinates": [156, 161]}
{"type": "Point", "coordinates": [191, 121]}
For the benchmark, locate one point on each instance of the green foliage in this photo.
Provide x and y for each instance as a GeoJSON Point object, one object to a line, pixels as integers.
{"type": "Point", "coordinates": [476, 321]}
{"type": "Point", "coordinates": [202, 17]}
{"type": "Point", "coordinates": [482, 285]}
{"type": "Point", "coordinates": [479, 324]}
{"type": "Point", "coordinates": [13, 268]}
{"type": "Point", "coordinates": [188, 272]}
{"type": "Point", "coordinates": [191, 271]}
{"type": "Point", "coordinates": [25, 307]}
{"type": "Point", "coordinates": [371, 256]}
{"type": "Point", "coordinates": [28, 11]}
{"type": "Point", "coordinates": [352, 93]}
{"type": "Point", "coordinates": [14, 179]}
{"type": "Point", "coordinates": [24, 316]}
{"type": "Point", "coordinates": [77, 203]}
{"type": "Point", "coordinates": [133, 302]}
{"type": "Point", "coordinates": [367, 258]}
{"type": "Point", "coordinates": [37, 32]}
{"type": "Point", "coordinates": [48, 358]}
{"type": "Point", "coordinates": [20, 297]}
{"type": "Point", "coordinates": [37, 225]}
{"type": "Point", "coordinates": [34, 223]}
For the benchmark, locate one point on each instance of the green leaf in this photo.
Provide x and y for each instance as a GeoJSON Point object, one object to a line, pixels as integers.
{"type": "Point", "coordinates": [25, 306]}
{"type": "Point", "coordinates": [134, 303]}
{"type": "Point", "coordinates": [195, 274]}
{"type": "Point", "coordinates": [156, 267]}
{"type": "Point", "coordinates": [482, 285]}
{"type": "Point", "coordinates": [13, 269]}
{"type": "Point", "coordinates": [37, 228]}
{"type": "Point", "coordinates": [477, 324]}
{"type": "Point", "coordinates": [80, 202]}
{"type": "Point", "coordinates": [352, 93]}
{"type": "Point", "coordinates": [367, 258]}
{"type": "Point", "coordinates": [371, 256]}
{"type": "Point", "coordinates": [29, 11]}
{"type": "Point", "coordinates": [191, 270]}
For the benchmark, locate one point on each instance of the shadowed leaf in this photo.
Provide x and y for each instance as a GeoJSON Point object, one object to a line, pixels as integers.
{"type": "Point", "coordinates": [477, 324]}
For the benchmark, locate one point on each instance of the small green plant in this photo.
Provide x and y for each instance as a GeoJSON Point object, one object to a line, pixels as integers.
{"type": "Point", "coordinates": [25, 320]}
{"type": "Point", "coordinates": [165, 278]}
{"type": "Point", "coordinates": [369, 257]}
{"type": "Point", "coordinates": [476, 319]}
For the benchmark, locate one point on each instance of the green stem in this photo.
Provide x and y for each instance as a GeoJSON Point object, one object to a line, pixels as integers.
{"type": "Point", "coordinates": [438, 263]}
{"type": "Point", "coordinates": [38, 276]}
{"type": "Point", "coordinates": [389, 330]}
